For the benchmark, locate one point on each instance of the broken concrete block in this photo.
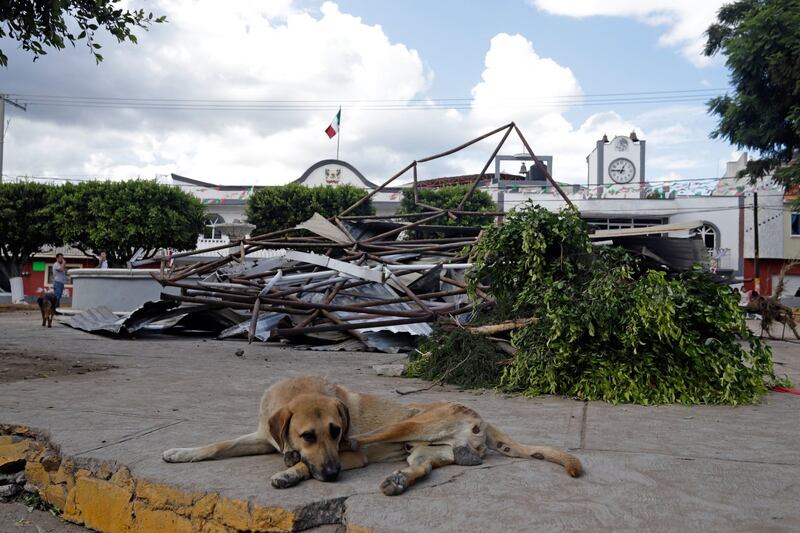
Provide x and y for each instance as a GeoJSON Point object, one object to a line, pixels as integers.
{"type": "Point", "coordinates": [392, 370]}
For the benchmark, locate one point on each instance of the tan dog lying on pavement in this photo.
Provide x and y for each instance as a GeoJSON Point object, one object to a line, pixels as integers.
{"type": "Point", "coordinates": [309, 421]}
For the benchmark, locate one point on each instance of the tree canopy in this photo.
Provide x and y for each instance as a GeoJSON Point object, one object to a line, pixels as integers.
{"type": "Point", "coordinates": [41, 24]}
{"type": "Point", "coordinates": [449, 198]}
{"type": "Point", "coordinates": [760, 40]}
{"type": "Point", "coordinates": [25, 223]}
{"type": "Point", "coordinates": [277, 208]}
{"type": "Point", "coordinates": [121, 217]}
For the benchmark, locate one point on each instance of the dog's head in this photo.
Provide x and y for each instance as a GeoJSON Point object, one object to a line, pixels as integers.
{"type": "Point", "coordinates": [313, 426]}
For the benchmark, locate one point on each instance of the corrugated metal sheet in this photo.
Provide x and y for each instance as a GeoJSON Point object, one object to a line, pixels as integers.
{"type": "Point", "coordinates": [649, 230]}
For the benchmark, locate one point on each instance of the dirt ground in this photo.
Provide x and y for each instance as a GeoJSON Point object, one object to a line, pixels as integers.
{"type": "Point", "coordinates": [15, 366]}
{"type": "Point", "coordinates": [16, 517]}
{"type": "Point", "coordinates": [18, 365]}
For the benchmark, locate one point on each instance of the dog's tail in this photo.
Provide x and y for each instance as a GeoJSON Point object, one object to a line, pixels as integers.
{"type": "Point", "coordinates": [499, 441]}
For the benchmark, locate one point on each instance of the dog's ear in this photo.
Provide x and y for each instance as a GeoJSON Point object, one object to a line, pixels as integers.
{"type": "Point", "coordinates": [344, 414]}
{"type": "Point", "coordinates": [279, 427]}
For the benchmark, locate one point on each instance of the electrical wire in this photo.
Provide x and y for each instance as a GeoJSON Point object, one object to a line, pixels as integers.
{"type": "Point", "coordinates": [366, 104]}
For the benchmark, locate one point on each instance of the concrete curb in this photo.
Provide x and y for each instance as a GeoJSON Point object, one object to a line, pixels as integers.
{"type": "Point", "coordinates": [105, 497]}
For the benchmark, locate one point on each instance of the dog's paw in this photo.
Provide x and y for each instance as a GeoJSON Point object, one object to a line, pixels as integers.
{"type": "Point", "coordinates": [466, 456]}
{"type": "Point", "coordinates": [395, 484]}
{"type": "Point", "coordinates": [285, 479]}
{"type": "Point", "coordinates": [291, 458]}
{"type": "Point", "coordinates": [178, 455]}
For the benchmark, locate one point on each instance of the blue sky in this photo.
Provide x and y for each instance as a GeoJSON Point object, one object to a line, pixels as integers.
{"type": "Point", "coordinates": [453, 37]}
{"type": "Point", "coordinates": [607, 54]}
{"type": "Point", "coordinates": [509, 56]}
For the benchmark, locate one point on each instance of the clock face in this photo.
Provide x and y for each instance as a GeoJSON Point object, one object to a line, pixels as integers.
{"type": "Point", "coordinates": [621, 170]}
{"type": "Point", "coordinates": [621, 144]}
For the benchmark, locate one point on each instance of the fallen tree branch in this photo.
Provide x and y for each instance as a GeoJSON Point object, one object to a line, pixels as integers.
{"type": "Point", "coordinates": [490, 329]}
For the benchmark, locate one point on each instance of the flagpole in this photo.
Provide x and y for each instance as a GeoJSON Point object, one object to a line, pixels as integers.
{"type": "Point", "coordinates": [339, 136]}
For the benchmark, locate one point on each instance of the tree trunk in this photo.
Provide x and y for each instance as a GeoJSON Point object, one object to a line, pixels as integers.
{"type": "Point", "coordinates": [17, 290]}
{"type": "Point", "coordinates": [12, 268]}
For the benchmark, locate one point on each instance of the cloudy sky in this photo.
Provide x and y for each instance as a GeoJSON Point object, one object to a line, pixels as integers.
{"type": "Point", "coordinates": [243, 94]}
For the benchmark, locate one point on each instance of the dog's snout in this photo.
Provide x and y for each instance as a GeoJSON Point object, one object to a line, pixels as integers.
{"type": "Point", "coordinates": [330, 471]}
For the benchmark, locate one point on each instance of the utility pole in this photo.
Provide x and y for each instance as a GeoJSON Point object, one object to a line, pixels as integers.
{"type": "Point", "coordinates": [757, 269]}
{"type": "Point", "coordinates": [3, 100]}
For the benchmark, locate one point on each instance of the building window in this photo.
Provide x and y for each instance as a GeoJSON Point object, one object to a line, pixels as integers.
{"type": "Point", "coordinates": [795, 224]}
{"type": "Point", "coordinates": [211, 231]}
{"type": "Point", "coordinates": [48, 272]}
{"type": "Point", "coordinates": [624, 223]}
{"type": "Point", "coordinates": [708, 234]}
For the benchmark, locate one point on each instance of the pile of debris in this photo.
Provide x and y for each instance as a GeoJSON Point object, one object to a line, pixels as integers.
{"type": "Point", "coordinates": [349, 282]}
{"type": "Point", "coordinates": [348, 279]}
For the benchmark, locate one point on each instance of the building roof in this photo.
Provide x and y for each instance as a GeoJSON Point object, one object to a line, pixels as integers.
{"type": "Point", "coordinates": [341, 163]}
{"type": "Point", "coordinates": [198, 183]}
{"type": "Point", "coordinates": [467, 179]}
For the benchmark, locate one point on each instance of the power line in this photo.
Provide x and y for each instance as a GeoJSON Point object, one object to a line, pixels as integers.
{"type": "Point", "coordinates": [418, 104]}
{"type": "Point", "coordinates": [27, 96]}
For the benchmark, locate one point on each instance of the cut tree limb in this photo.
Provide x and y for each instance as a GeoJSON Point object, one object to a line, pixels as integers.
{"type": "Point", "coordinates": [508, 325]}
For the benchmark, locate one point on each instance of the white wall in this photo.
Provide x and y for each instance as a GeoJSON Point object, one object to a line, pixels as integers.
{"type": "Point", "coordinates": [770, 225]}
{"type": "Point", "coordinates": [333, 174]}
{"type": "Point", "coordinates": [720, 211]}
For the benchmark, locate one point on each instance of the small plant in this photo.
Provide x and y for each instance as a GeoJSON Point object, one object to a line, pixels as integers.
{"type": "Point", "coordinates": [32, 500]}
{"type": "Point", "coordinates": [460, 358]}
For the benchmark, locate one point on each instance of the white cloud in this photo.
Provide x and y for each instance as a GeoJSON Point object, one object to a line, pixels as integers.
{"type": "Point", "coordinates": [254, 50]}
{"type": "Point", "coordinates": [519, 85]}
{"type": "Point", "coordinates": [685, 20]}
{"type": "Point", "coordinates": [249, 50]}
{"type": "Point", "coordinates": [671, 135]}
{"type": "Point", "coordinates": [673, 163]}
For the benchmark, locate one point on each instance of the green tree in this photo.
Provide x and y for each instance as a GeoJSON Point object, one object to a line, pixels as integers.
{"type": "Point", "coordinates": [25, 223]}
{"type": "Point", "coordinates": [277, 208]}
{"type": "Point", "coordinates": [121, 217]}
{"type": "Point", "coordinates": [449, 198]}
{"type": "Point", "coordinates": [41, 24]}
{"type": "Point", "coordinates": [760, 40]}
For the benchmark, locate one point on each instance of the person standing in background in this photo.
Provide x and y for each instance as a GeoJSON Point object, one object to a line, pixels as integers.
{"type": "Point", "coordinates": [59, 277]}
{"type": "Point", "coordinates": [102, 260]}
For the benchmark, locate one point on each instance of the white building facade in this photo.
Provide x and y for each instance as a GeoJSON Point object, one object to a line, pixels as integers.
{"type": "Point", "coordinates": [617, 195]}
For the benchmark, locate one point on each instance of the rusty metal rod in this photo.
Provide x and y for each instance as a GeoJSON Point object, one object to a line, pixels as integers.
{"type": "Point", "coordinates": [465, 145]}
{"type": "Point", "coordinates": [346, 308]}
{"type": "Point", "coordinates": [405, 227]}
{"type": "Point", "coordinates": [375, 191]}
{"type": "Point", "coordinates": [363, 325]}
{"type": "Point", "coordinates": [479, 177]}
{"type": "Point", "coordinates": [542, 167]}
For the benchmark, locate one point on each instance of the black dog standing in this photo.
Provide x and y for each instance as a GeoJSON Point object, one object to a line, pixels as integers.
{"type": "Point", "coordinates": [47, 305]}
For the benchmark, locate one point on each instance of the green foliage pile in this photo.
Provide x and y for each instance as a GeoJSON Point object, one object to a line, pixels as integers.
{"type": "Point", "coordinates": [609, 329]}
{"type": "Point", "coordinates": [449, 198]}
{"type": "Point", "coordinates": [760, 40]}
{"type": "Point", "coordinates": [277, 208]}
{"type": "Point", "coordinates": [460, 358]}
{"type": "Point", "coordinates": [25, 223]}
{"type": "Point", "coordinates": [122, 216]}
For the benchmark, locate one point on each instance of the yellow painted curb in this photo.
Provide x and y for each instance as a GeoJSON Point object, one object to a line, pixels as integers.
{"type": "Point", "coordinates": [108, 498]}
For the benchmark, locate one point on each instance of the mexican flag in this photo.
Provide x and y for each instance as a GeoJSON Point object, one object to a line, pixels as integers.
{"type": "Point", "coordinates": [333, 129]}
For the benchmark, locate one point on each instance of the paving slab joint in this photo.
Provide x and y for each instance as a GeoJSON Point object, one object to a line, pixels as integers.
{"type": "Point", "coordinates": [105, 496]}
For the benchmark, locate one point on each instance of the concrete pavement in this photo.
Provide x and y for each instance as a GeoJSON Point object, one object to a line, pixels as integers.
{"type": "Point", "coordinates": [647, 468]}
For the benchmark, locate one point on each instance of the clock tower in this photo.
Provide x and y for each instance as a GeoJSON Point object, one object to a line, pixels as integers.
{"type": "Point", "coordinates": [619, 161]}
